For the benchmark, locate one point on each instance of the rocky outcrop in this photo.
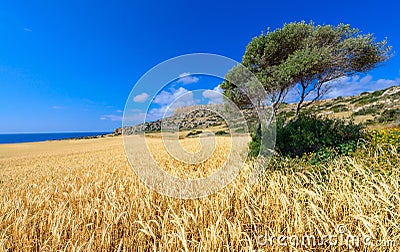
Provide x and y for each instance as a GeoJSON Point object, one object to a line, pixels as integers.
{"type": "Point", "coordinates": [186, 118]}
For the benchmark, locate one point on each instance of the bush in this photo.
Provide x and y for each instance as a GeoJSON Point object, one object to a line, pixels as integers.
{"type": "Point", "coordinates": [194, 133]}
{"type": "Point", "coordinates": [289, 113]}
{"type": "Point", "coordinates": [378, 93]}
{"type": "Point", "coordinates": [339, 108]}
{"type": "Point", "coordinates": [268, 133]}
{"type": "Point", "coordinates": [370, 110]}
{"type": "Point", "coordinates": [311, 134]}
{"type": "Point", "coordinates": [254, 145]}
{"type": "Point", "coordinates": [365, 99]}
{"type": "Point", "coordinates": [389, 115]}
{"type": "Point", "coordinates": [221, 133]}
{"type": "Point", "coordinates": [321, 138]}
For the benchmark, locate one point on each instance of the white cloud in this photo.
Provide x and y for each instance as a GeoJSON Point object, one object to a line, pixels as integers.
{"type": "Point", "coordinates": [157, 113]}
{"type": "Point", "coordinates": [141, 97]}
{"type": "Point", "coordinates": [57, 107]}
{"type": "Point", "coordinates": [166, 98]}
{"type": "Point", "coordinates": [186, 78]}
{"type": "Point", "coordinates": [214, 95]}
{"type": "Point", "coordinates": [348, 86]}
{"type": "Point", "coordinates": [27, 29]}
{"type": "Point", "coordinates": [169, 101]}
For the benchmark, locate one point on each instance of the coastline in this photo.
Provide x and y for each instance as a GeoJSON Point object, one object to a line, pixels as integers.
{"type": "Point", "coordinates": [18, 138]}
{"type": "Point", "coordinates": [47, 150]}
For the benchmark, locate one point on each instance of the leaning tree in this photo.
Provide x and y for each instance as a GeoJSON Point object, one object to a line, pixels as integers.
{"type": "Point", "coordinates": [309, 57]}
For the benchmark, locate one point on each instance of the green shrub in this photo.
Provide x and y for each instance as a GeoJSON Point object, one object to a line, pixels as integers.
{"type": "Point", "coordinates": [324, 138]}
{"type": "Point", "coordinates": [389, 115]}
{"type": "Point", "coordinates": [221, 133]}
{"type": "Point", "coordinates": [378, 93]}
{"type": "Point", "coordinates": [369, 122]}
{"type": "Point", "coordinates": [268, 133]}
{"type": "Point", "coordinates": [311, 134]}
{"type": "Point", "coordinates": [339, 108]}
{"type": "Point", "coordinates": [254, 145]}
{"type": "Point", "coordinates": [194, 133]}
{"type": "Point", "coordinates": [369, 110]}
{"type": "Point", "coordinates": [395, 96]}
{"type": "Point", "coordinates": [366, 100]}
{"type": "Point", "coordinates": [288, 114]}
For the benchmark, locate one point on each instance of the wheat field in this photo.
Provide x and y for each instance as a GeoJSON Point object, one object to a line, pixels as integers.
{"type": "Point", "coordinates": [82, 195]}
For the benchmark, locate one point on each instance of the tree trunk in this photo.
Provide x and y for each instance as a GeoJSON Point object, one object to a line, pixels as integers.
{"type": "Point", "coordinates": [302, 97]}
{"type": "Point", "coordinates": [258, 130]}
{"type": "Point", "coordinates": [297, 111]}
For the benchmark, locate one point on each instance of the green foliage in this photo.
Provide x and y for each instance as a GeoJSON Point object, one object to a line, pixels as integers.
{"type": "Point", "coordinates": [194, 133]}
{"type": "Point", "coordinates": [395, 96]}
{"type": "Point", "coordinates": [234, 86]}
{"type": "Point", "coordinates": [254, 145]}
{"type": "Point", "coordinates": [314, 138]}
{"type": "Point", "coordinates": [339, 108]}
{"type": "Point", "coordinates": [367, 100]}
{"type": "Point", "coordinates": [323, 136]}
{"type": "Point", "coordinates": [378, 93]}
{"type": "Point", "coordinates": [263, 143]}
{"type": "Point", "coordinates": [221, 133]}
{"type": "Point", "coordinates": [369, 122]}
{"type": "Point", "coordinates": [389, 115]}
{"type": "Point", "coordinates": [311, 55]}
{"type": "Point", "coordinates": [288, 114]}
{"type": "Point", "coordinates": [308, 56]}
{"type": "Point", "coordinates": [370, 110]}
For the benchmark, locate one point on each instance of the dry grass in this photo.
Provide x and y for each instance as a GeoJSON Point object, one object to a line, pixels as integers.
{"type": "Point", "coordinates": [198, 162]}
{"type": "Point", "coordinates": [83, 196]}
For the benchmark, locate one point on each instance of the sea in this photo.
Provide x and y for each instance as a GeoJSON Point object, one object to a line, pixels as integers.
{"type": "Point", "coordinates": [40, 137]}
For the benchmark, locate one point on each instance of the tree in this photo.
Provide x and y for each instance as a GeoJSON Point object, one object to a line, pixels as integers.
{"type": "Point", "coordinates": [307, 56]}
{"type": "Point", "coordinates": [242, 87]}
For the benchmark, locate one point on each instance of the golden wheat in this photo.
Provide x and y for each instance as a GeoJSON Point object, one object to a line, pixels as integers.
{"type": "Point", "coordinates": [84, 196]}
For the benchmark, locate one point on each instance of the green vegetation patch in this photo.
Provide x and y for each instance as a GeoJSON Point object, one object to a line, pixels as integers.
{"type": "Point", "coordinates": [310, 134]}
{"type": "Point", "coordinates": [221, 133]}
{"type": "Point", "coordinates": [370, 110]}
{"type": "Point", "coordinates": [389, 115]}
{"type": "Point", "coordinates": [366, 100]}
{"type": "Point", "coordinates": [339, 108]}
{"type": "Point", "coordinates": [194, 133]}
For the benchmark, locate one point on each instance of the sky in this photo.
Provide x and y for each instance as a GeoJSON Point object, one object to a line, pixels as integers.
{"type": "Point", "coordinates": [71, 65]}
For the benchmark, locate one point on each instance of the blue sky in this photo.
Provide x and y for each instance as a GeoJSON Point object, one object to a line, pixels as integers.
{"type": "Point", "coordinates": [70, 65]}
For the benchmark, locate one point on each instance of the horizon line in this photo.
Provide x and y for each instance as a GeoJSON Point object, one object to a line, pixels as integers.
{"type": "Point", "coordinates": [53, 132]}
